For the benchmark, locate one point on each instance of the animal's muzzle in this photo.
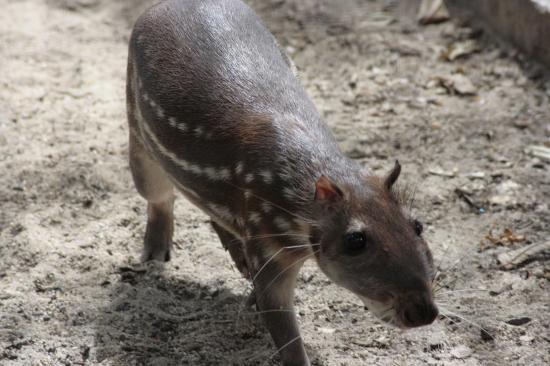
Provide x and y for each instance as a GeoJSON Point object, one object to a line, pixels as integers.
{"type": "Point", "coordinates": [418, 314]}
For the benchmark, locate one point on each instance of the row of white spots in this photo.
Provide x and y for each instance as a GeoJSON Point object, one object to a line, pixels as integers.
{"type": "Point", "coordinates": [218, 212]}
{"type": "Point", "coordinates": [281, 223]}
{"type": "Point", "coordinates": [172, 122]}
{"type": "Point", "coordinates": [265, 206]}
{"type": "Point", "coordinates": [267, 176]}
{"type": "Point", "coordinates": [248, 178]}
{"type": "Point", "coordinates": [212, 173]}
{"type": "Point", "coordinates": [239, 168]}
{"type": "Point", "coordinates": [289, 193]}
{"type": "Point", "coordinates": [221, 211]}
{"type": "Point", "coordinates": [254, 217]}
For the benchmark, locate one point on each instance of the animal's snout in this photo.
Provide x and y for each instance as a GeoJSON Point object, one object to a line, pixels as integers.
{"type": "Point", "coordinates": [418, 314]}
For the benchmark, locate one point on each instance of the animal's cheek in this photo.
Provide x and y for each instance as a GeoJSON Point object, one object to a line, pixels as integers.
{"type": "Point", "coordinates": [329, 248]}
{"type": "Point", "coordinates": [331, 268]}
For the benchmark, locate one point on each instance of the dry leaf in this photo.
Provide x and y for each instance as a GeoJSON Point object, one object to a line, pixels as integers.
{"type": "Point", "coordinates": [506, 238]}
{"type": "Point", "coordinates": [460, 49]}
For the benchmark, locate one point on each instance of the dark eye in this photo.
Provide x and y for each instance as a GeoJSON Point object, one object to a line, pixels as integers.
{"type": "Point", "coordinates": [355, 242]}
{"type": "Point", "coordinates": [418, 227]}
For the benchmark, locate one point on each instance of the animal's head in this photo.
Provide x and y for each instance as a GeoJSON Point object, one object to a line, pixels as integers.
{"type": "Point", "coordinates": [370, 246]}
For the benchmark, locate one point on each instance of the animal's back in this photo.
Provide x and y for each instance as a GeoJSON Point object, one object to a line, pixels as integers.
{"type": "Point", "coordinates": [220, 106]}
{"type": "Point", "coordinates": [204, 59]}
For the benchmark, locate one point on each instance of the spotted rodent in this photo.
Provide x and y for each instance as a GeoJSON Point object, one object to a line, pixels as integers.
{"type": "Point", "coordinates": [215, 110]}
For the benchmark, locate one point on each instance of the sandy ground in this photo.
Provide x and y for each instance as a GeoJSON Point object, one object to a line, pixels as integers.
{"type": "Point", "coordinates": [71, 224]}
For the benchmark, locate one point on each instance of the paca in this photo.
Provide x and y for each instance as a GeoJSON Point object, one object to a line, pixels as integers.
{"type": "Point", "coordinates": [216, 111]}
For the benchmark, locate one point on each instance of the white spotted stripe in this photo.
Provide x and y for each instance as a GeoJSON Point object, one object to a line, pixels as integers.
{"type": "Point", "coordinates": [254, 217]}
{"type": "Point", "coordinates": [285, 176]}
{"type": "Point", "coordinates": [220, 174]}
{"type": "Point", "coordinates": [198, 131]}
{"type": "Point", "coordinates": [160, 112]}
{"type": "Point", "coordinates": [239, 168]}
{"type": "Point", "coordinates": [174, 123]}
{"type": "Point", "coordinates": [182, 126]}
{"type": "Point", "coordinates": [266, 207]}
{"type": "Point", "coordinates": [281, 223]}
{"type": "Point", "coordinates": [220, 211]}
{"type": "Point", "coordinates": [267, 176]}
{"type": "Point", "coordinates": [211, 173]}
{"type": "Point", "coordinates": [249, 178]}
{"type": "Point", "coordinates": [289, 194]}
{"type": "Point", "coordinates": [195, 168]}
{"type": "Point", "coordinates": [224, 173]}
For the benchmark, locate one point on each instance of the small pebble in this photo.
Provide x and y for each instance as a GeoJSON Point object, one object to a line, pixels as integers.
{"type": "Point", "coordinates": [519, 321]}
{"type": "Point", "coordinates": [461, 352]}
{"type": "Point", "coordinates": [327, 330]}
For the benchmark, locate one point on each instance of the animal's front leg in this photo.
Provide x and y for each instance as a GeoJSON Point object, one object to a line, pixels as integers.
{"type": "Point", "coordinates": [235, 248]}
{"type": "Point", "coordinates": [274, 282]}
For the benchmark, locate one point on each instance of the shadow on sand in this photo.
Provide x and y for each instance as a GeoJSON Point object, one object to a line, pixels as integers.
{"type": "Point", "coordinates": [153, 319]}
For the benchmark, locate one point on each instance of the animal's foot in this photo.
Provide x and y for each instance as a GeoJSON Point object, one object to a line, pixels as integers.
{"type": "Point", "coordinates": [155, 254]}
{"type": "Point", "coordinates": [155, 250]}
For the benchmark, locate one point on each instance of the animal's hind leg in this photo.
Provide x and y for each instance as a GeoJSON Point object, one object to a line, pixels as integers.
{"type": "Point", "coordinates": [153, 184]}
{"type": "Point", "coordinates": [235, 247]}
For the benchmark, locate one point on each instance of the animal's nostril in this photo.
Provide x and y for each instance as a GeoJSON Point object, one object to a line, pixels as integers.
{"type": "Point", "coordinates": [410, 316]}
{"type": "Point", "coordinates": [417, 315]}
{"type": "Point", "coordinates": [432, 313]}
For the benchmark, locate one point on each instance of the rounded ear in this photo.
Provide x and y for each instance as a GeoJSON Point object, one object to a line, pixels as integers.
{"type": "Point", "coordinates": [392, 176]}
{"type": "Point", "coordinates": [327, 191]}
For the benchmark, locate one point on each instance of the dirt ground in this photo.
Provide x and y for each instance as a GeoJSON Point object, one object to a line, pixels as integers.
{"type": "Point", "coordinates": [72, 291]}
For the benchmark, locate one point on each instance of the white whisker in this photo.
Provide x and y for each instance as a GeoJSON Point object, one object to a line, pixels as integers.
{"type": "Point", "coordinates": [284, 270]}
{"type": "Point", "coordinates": [464, 319]}
{"type": "Point", "coordinates": [281, 348]}
{"type": "Point", "coordinates": [267, 236]}
{"type": "Point", "coordinates": [461, 290]}
{"type": "Point", "coordinates": [279, 252]}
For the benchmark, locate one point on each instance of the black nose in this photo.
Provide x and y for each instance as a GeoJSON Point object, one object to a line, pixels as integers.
{"type": "Point", "coordinates": [416, 315]}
